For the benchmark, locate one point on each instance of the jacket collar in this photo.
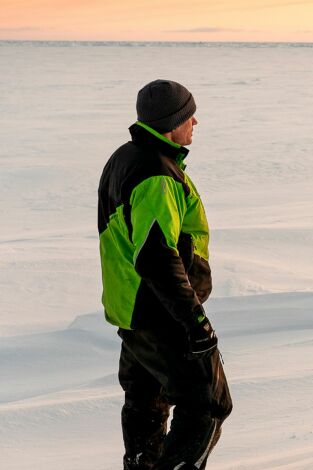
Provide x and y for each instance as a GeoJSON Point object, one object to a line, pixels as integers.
{"type": "Point", "coordinates": [143, 134]}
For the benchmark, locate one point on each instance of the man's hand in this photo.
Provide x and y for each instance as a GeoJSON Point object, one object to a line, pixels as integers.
{"type": "Point", "coordinates": [202, 339]}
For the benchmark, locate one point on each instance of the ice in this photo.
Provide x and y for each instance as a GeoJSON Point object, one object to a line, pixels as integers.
{"type": "Point", "coordinates": [65, 107]}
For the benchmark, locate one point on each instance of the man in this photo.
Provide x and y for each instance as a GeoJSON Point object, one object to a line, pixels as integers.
{"type": "Point", "coordinates": [154, 256]}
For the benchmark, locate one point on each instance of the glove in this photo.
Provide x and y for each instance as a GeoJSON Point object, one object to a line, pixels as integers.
{"type": "Point", "coordinates": [202, 339]}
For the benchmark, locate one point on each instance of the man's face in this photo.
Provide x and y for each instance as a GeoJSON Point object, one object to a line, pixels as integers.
{"type": "Point", "coordinates": [183, 134]}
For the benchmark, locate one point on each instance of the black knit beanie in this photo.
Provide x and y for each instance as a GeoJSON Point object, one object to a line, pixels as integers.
{"type": "Point", "coordinates": [164, 105]}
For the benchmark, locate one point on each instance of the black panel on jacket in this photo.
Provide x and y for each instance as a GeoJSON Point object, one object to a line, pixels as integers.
{"type": "Point", "coordinates": [131, 164]}
{"type": "Point", "coordinates": [164, 274]}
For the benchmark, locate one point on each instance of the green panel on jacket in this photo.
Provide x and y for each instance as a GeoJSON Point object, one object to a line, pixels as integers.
{"type": "Point", "coordinates": [157, 199]}
{"type": "Point", "coordinates": [195, 221]}
{"type": "Point", "coordinates": [120, 280]}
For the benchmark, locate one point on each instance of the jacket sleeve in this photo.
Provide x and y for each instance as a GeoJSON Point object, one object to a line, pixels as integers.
{"type": "Point", "coordinates": [158, 207]}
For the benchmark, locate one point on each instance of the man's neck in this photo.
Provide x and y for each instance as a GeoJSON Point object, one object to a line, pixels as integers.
{"type": "Point", "coordinates": [168, 135]}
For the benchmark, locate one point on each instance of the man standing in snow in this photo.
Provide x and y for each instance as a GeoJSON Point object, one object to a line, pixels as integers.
{"type": "Point", "coordinates": [154, 256]}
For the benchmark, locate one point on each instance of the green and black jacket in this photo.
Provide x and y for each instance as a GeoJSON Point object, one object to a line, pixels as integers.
{"type": "Point", "coordinates": [153, 235]}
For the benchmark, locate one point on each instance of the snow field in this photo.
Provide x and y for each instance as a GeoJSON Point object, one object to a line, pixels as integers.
{"type": "Point", "coordinates": [64, 110]}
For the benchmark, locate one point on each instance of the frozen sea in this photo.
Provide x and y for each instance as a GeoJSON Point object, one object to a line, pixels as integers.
{"type": "Point", "coordinates": [64, 108]}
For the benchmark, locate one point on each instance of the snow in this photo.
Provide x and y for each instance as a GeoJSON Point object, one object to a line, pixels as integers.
{"type": "Point", "coordinates": [64, 110]}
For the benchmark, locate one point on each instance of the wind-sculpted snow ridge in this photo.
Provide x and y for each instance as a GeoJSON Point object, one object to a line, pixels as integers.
{"type": "Point", "coordinates": [261, 314]}
{"type": "Point", "coordinates": [60, 398]}
{"type": "Point", "coordinates": [95, 323]}
{"type": "Point", "coordinates": [57, 390]}
{"type": "Point", "coordinates": [40, 364]}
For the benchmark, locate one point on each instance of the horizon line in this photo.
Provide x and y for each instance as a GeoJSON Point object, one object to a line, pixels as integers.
{"type": "Point", "coordinates": [117, 41]}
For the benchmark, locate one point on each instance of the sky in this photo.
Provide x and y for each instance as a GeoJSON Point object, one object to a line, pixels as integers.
{"type": "Point", "coordinates": [157, 20]}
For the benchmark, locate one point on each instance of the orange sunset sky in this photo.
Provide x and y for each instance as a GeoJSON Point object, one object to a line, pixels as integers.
{"type": "Point", "coordinates": [157, 20]}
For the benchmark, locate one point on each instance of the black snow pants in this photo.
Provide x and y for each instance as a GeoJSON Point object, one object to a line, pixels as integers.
{"type": "Point", "coordinates": [156, 374]}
